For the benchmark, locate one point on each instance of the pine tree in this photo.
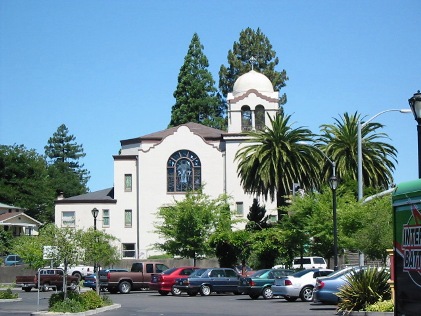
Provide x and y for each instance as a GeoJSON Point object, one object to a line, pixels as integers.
{"type": "Point", "coordinates": [197, 99]}
{"type": "Point", "coordinates": [257, 217]}
{"type": "Point", "coordinates": [252, 44]}
{"type": "Point", "coordinates": [66, 173]}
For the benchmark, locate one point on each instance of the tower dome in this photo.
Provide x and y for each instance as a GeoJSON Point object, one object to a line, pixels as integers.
{"type": "Point", "coordinates": [252, 80]}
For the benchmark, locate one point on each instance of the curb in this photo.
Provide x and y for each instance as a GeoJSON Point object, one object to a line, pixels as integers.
{"type": "Point", "coordinates": [90, 312]}
{"type": "Point", "coordinates": [10, 300]}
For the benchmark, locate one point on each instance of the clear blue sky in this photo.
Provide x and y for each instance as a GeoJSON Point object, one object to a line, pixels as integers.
{"type": "Point", "coordinates": [108, 69]}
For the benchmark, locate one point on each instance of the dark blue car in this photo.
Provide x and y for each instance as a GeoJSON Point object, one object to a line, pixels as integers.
{"type": "Point", "coordinates": [90, 279]}
{"type": "Point", "coordinates": [206, 281]}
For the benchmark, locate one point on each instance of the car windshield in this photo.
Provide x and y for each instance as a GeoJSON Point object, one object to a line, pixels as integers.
{"type": "Point", "coordinates": [259, 273]}
{"type": "Point", "coordinates": [169, 271]}
{"type": "Point", "coordinates": [340, 272]}
{"type": "Point", "coordinates": [197, 273]}
{"type": "Point", "coordinates": [301, 273]}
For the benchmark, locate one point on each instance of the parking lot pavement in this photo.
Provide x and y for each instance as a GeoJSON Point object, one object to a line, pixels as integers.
{"type": "Point", "coordinates": [149, 303]}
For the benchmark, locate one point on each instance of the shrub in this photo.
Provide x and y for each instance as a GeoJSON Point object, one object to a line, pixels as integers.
{"type": "Point", "coordinates": [7, 294]}
{"type": "Point", "coordinates": [67, 306]}
{"type": "Point", "coordinates": [59, 297]}
{"type": "Point", "coordinates": [381, 306]}
{"type": "Point", "coordinates": [75, 302]}
{"type": "Point", "coordinates": [363, 288]}
{"type": "Point", "coordinates": [91, 300]}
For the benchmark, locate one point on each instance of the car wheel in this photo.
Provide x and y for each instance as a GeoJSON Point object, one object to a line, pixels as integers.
{"type": "Point", "coordinates": [27, 289]}
{"type": "Point", "coordinates": [306, 294]}
{"type": "Point", "coordinates": [78, 275]}
{"type": "Point", "coordinates": [290, 298]}
{"type": "Point", "coordinates": [73, 286]}
{"type": "Point", "coordinates": [205, 290]}
{"type": "Point", "coordinates": [254, 296]}
{"type": "Point", "coordinates": [191, 293]}
{"type": "Point", "coordinates": [267, 293]}
{"type": "Point", "coordinates": [124, 287]}
{"type": "Point", "coordinates": [45, 287]}
{"type": "Point", "coordinates": [175, 291]}
{"type": "Point", "coordinates": [163, 292]}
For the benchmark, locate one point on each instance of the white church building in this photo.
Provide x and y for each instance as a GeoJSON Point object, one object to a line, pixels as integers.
{"type": "Point", "coordinates": [155, 169]}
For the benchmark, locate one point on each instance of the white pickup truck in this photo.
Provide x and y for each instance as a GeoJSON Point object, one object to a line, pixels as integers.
{"type": "Point", "coordinates": [79, 271]}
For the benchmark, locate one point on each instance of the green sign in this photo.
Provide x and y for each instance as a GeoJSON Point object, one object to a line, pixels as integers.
{"type": "Point", "coordinates": [406, 269]}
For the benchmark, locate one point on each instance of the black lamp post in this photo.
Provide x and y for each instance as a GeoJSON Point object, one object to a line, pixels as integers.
{"type": "Point", "coordinates": [333, 183]}
{"type": "Point", "coordinates": [95, 213]}
{"type": "Point", "coordinates": [415, 104]}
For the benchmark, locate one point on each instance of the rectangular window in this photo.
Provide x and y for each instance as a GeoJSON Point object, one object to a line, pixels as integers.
{"type": "Point", "coordinates": [68, 219]}
{"type": "Point", "coordinates": [129, 251]}
{"type": "Point", "coordinates": [128, 182]}
{"type": "Point", "coordinates": [240, 208]}
{"type": "Point", "coordinates": [128, 218]}
{"type": "Point", "coordinates": [105, 218]}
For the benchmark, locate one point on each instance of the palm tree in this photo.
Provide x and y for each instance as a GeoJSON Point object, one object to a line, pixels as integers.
{"type": "Point", "coordinates": [275, 158]}
{"type": "Point", "coordinates": [339, 142]}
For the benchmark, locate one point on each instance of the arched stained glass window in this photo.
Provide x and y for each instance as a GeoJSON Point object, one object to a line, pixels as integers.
{"type": "Point", "coordinates": [183, 171]}
{"type": "Point", "coordinates": [246, 124]}
{"type": "Point", "coordinates": [259, 117]}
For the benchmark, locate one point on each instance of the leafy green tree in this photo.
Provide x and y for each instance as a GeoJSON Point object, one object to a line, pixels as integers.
{"type": "Point", "coordinates": [231, 247]}
{"type": "Point", "coordinates": [101, 252]}
{"type": "Point", "coordinates": [196, 97]}
{"type": "Point", "coordinates": [368, 222]}
{"type": "Point", "coordinates": [187, 225]}
{"type": "Point", "coordinates": [257, 217]}
{"type": "Point", "coordinates": [251, 44]}
{"type": "Point", "coordinates": [268, 246]}
{"type": "Point", "coordinates": [340, 142]}
{"type": "Point", "coordinates": [274, 158]}
{"type": "Point", "coordinates": [5, 241]}
{"type": "Point", "coordinates": [72, 247]}
{"type": "Point", "coordinates": [24, 182]}
{"type": "Point", "coordinates": [66, 172]}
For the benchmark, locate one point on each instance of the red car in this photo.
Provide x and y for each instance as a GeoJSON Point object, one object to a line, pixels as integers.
{"type": "Point", "coordinates": [163, 282]}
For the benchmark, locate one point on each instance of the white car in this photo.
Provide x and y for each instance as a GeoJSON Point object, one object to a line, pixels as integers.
{"type": "Point", "coordinates": [299, 284]}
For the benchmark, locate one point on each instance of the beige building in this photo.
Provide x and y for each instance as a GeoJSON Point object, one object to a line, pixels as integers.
{"type": "Point", "coordinates": [155, 169]}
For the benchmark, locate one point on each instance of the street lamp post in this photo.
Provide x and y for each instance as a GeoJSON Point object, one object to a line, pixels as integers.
{"type": "Point", "coordinates": [359, 149]}
{"type": "Point", "coordinates": [415, 104]}
{"type": "Point", "coordinates": [95, 212]}
{"type": "Point", "coordinates": [333, 183]}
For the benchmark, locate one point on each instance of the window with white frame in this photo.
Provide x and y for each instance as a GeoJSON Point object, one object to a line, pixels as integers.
{"type": "Point", "coordinates": [68, 219]}
{"type": "Point", "coordinates": [105, 218]}
{"type": "Point", "coordinates": [128, 251]}
{"type": "Point", "coordinates": [128, 183]}
{"type": "Point", "coordinates": [127, 218]}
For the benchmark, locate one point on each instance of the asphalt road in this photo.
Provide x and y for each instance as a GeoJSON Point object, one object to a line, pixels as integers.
{"type": "Point", "coordinates": [148, 303]}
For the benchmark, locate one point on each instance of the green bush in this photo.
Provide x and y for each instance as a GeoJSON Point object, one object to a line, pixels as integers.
{"type": "Point", "coordinates": [91, 300]}
{"type": "Point", "coordinates": [59, 297]}
{"type": "Point", "coordinates": [363, 288]}
{"type": "Point", "coordinates": [67, 306]}
{"type": "Point", "coordinates": [381, 306]}
{"type": "Point", "coordinates": [7, 294]}
{"type": "Point", "coordinates": [76, 302]}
